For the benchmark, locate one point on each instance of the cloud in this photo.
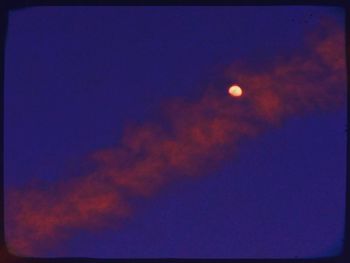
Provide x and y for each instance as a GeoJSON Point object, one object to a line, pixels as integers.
{"type": "Point", "coordinates": [193, 138]}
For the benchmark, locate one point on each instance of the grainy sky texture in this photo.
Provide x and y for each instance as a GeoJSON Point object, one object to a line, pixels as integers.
{"type": "Point", "coordinates": [122, 141]}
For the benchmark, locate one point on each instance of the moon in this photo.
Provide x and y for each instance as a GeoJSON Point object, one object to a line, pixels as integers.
{"type": "Point", "coordinates": [235, 91]}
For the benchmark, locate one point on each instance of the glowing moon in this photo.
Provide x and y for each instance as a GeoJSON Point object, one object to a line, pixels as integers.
{"type": "Point", "coordinates": [235, 91]}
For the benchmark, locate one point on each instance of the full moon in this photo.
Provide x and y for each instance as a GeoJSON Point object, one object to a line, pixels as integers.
{"type": "Point", "coordinates": [235, 91]}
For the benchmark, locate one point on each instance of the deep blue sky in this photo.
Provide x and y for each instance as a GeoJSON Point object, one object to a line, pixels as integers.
{"type": "Point", "coordinates": [75, 75]}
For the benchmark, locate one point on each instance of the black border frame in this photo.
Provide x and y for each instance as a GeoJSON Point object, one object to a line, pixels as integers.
{"type": "Point", "coordinates": [8, 6]}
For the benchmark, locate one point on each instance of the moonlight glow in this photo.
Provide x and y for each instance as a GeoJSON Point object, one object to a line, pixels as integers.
{"type": "Point", "coordinates": [235, 91]}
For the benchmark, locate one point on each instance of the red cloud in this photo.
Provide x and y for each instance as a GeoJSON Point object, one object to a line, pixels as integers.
{"type": "Point", "coordinates": [194, 137]}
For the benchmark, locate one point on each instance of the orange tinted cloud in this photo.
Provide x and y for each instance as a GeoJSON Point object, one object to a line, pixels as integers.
{"type": "Point", "coordinates": [194, 137]}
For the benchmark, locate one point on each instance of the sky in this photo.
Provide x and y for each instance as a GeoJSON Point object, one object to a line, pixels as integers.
{"type": "Point", "coordinates": [121, 140]}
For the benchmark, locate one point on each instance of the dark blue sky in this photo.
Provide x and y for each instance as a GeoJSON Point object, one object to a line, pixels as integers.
{"type": "Point", "coordinates": [75, 76]}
